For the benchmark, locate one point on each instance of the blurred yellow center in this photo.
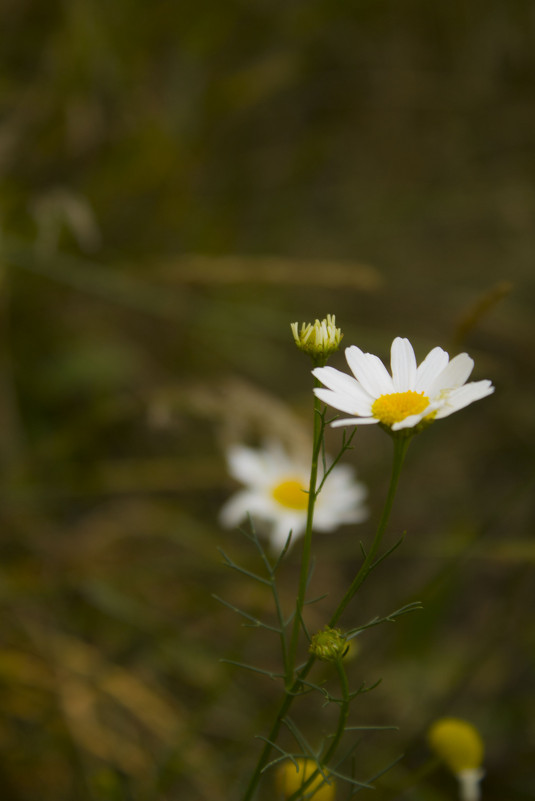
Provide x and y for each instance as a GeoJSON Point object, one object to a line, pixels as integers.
{"type": "Point", "coordinates": [457, 743]}
{"type": "Point", "coordinates": [394, 408]}
{"type": "Point", "coordinates": [291, 494]}
{"type": "Point", "coordinates": [290, 778]}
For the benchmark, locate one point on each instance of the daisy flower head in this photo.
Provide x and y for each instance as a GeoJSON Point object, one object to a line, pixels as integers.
{"type": "Point", "coordinates": [411, 395]}
{"type": "Point", "coordinates": [275, 492]}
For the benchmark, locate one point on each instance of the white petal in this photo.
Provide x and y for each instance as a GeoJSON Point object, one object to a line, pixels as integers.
{"type": "Point", "coordinates": [235, 510]}
{"type": "Point", "coordinates": [341, 382]}
{"type": "Point", "coordinates": [341, 500]}
{"type": "Point", "coordinates": [341, 485]}
{"type": "Point", "coordinates": [282, 527]}
{"type": "Point", "coordinates": [246, 465]}
{"type": "Point", "coordinates": [354, 421]}
{"type": "Point", "coordinates": [454, 374]}
{"type": "Point", "coordinates": [326, 521]}
{"type": "Point", "coordinates": [369, 371]}
{"type": "Point", "coordinates": [464, 396]}
{"type": "Point", "coordinates": [342, 476]}
{"type": "Point", "coordinates": [339, 509]}
{"type": "Point", "coordinates": [342, 402]}
{"type": "Point", "coordinates": [431, 367]}
{"type": "Point", "coordinates": [275, 462]}
{"type": "Point", "coordinates": [350, 510]}
{"type": "Point", "coordinates": [403, 364]}
{"type": "Point", "coordinates": [413, 419]}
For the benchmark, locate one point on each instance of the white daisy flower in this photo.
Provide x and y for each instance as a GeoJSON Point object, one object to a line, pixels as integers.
{"type": "Point", "coordinates": [412, 394]}
{"type": "Point", "coordinates": [276, 492]}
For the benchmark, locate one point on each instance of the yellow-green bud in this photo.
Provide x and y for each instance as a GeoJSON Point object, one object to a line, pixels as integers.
{"type": "Point", "coordinates": [329, 644]}
{"type": "Point", "coordinates": [289, 779]}
{"type": "Point", "coordinates": [318, 339]}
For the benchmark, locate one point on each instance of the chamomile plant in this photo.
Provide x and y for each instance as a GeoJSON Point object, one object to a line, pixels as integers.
{"type": "Point", "coordinates": [286, 499]}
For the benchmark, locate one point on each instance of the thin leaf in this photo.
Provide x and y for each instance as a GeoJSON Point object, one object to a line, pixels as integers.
{"type": "Point", "coordinates": [313, 687]}
{"type": "Point", "coordinates": [390, 618]}
{"type": "Point", "coordinates": [282, 554]}
{"type": "Point", "coordinates": [229, 563]}
{"type": "Point", "coordinates": [387, 553]}
{"type": "Point", "coordinates": [371, 728]}
{"type": "Point", "coordinates": [253, 668]}
{"type": "Point", "coordinates": [256, 623]}
{"type": "Point", "coordinates": [381, 773]}
{"type": "Point", "coordinates": [350, 780]}
{"type": "Point", "coordinates": [300, 739]}
{"type": "Point", "coordinates": [284, 754]}
{"type": "Point", "coordinates": [316, 599]}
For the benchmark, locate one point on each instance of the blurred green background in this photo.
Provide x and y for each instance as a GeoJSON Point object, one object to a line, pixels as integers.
{"type": "Point", "coordinates": [180, 181]}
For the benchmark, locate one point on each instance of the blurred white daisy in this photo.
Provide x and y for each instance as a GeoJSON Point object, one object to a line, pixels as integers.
{"type": "Point", "coordinates": [276, 493]}
{"type": "Point", "coordinates": [412, 394]}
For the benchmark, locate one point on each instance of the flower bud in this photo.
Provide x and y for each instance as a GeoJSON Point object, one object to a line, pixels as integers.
{"type": "Point", "coordinates": [329, 644]}
{"type": "Point", "coordinates": [318, 339]}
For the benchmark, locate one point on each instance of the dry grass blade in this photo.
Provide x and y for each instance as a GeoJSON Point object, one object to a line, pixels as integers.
{"type": "Point", "coordinates": [273, 270]}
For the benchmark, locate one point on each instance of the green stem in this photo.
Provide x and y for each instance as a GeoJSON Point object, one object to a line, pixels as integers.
{"type": "Point", "coordinates": [401, 444]}
{"type": "Point", "coordinates": [400, 448]}
{"type": "Point", "coordinates": [287, 701]}
{"type": "Point", "coordinates": [340, 728]}
{"type": "Point", "coordinates": [293, 682]}
{"type": "Point", "coordinates": [344, 712]}
{"type": "Point", "coordinates": [319, 425]}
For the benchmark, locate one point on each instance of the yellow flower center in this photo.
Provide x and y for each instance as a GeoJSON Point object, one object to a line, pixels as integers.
{"type": "Point", "coordinates": [458, 743]}
{"type": "Point", "coordinates": [394, 408]}
{"type": "Point", "coordinates": [291, 494]}
{"type": "Point", "coordinates": [290, 779]}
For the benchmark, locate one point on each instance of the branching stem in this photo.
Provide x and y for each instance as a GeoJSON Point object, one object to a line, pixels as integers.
{"type": "Point", "coordinates": [401, 444]}
{"type": "Point", "coordinates": [294, 686]}
{"type": "Point", "coordinates": [340, 729]}
{"type": "Point", "coordinates": [319, 427]}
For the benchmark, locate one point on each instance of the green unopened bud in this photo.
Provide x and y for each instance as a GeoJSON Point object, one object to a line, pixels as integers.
{"type": "Point", "coordinates": [329, 644]}
{"type": "Point", "coordinates": [318, 339]}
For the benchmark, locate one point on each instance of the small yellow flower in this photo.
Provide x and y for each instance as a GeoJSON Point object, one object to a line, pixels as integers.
{"type": "Point", "coordinates": [319, 339]}
{"type": "Point", "coordinates": [329, 644]}
{"type": "Point", "coordinates": [290, 778]}
{"type": "Point", "coordinates": [460, 746]}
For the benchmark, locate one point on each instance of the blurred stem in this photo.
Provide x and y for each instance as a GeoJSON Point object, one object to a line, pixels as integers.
{"type": "Point", "coordinates": [319, 427]}
{"type": "Point", "coordinates": [344, 712]}
{"type": "Point", "coordinates": [412, 779]}
{"type": "Point", "coordinates": [289, 696]}
{"type": "Point", "coordinates": [11, 438]}
{"type": "Point", "coordinates": [401, 443]}
{"type": "Point", "coordinates": [340, 728]}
